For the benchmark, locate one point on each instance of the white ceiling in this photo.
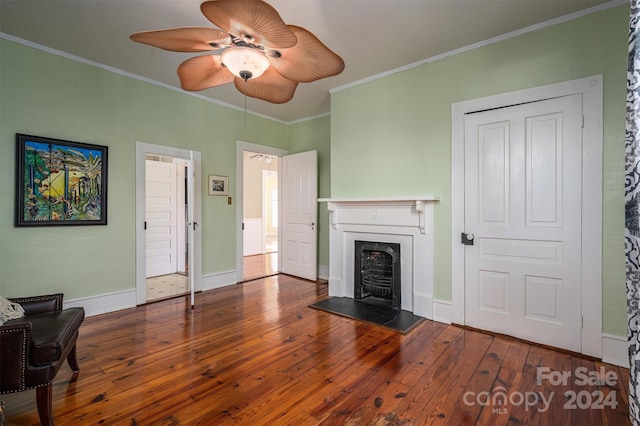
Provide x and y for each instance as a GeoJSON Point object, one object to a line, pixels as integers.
{"type": "Point", "coordinates": [371, 36]}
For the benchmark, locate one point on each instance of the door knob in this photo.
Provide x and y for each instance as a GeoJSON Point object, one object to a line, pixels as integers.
{"type": "Point", "coordinates": [467, 239]}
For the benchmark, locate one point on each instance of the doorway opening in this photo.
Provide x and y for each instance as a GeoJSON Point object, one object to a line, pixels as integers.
{"type": "Point", "coordinates": [186, 236]}
{"type": "Point", "coordinates": [167, 261]}
{"type": "Point", "coordinates": [241, 148]}
{"type": "Point", "coordinates": [260, 215]}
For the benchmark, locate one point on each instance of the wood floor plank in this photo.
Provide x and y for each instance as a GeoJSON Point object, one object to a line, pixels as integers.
{"type": "Point", "coordinates": [339, 378]}
{"type": "Point", "coordinates": [428, 356]}
{"type": "Point", "coordinates": [516, 355]}
{"type": "Point", "coordinates": [382, 403]}
{"type": "Point", "coordinates": [383, 384]}
{"type": "Point", "coordinates": [443, 402]}
{"type": "Point", "coordinates": [466, 409]}
{"type": "Point", "coordinates": [257, 354]}
{"type": "Point", "coordinates": [466, 348]}
{"type": "Point", "coordinates": [496, 409]}
{"type": "Point", "coordinates": [611, 386]}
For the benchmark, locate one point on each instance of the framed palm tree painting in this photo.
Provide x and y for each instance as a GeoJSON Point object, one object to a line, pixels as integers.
{"type": "Point", "coordinates": [60, 182]}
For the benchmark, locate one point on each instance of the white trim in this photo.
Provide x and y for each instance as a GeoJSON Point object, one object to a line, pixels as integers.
{"type": "Point", "coordinates": [516, 33]}
{"type": "Point", "coordinates": [420, 202]}
{"type": "Point", "coordinates": [374, 200]}
{"type": "Point", "coordinates": [592, 92]}
{"type": "Point", "coordinates": [615, 350]}
{"type": "Point", "coordinates": [116, 301]}
{"type": "Point", "coordinates": [142, 149]}
{"type": "Point", "coordinates": [104, 303]}
{"type": "Point", "coordinates": [407, 221]}
{"type": "Point", "coordinates": [442, 311]}
{"type": "Point", "coordinates": [218, 280]}
{"type": "Point", "coordinates": [503, 37]}
{"type": "Point", "coordinates": [131, 75]}
{"type": "Point", "coordinates": [242, 146]}
{"type": "Point", "coordinates": [312, 117]}
{"type": "Point", "coordinates": [323, 272]}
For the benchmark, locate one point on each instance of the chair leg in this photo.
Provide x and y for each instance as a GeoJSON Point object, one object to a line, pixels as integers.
{"type": "Point", "coordinates": [44, 399]}
{"type": "Point", "coordinates": [72, 359]}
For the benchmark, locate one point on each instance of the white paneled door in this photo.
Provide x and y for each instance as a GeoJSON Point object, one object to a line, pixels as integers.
{"type": "Point", "coordinates": [523, 221]}
{"type": "Point", "coordinates": [161, 212]}
{"type": "Point", "coordinates": [300, 215]}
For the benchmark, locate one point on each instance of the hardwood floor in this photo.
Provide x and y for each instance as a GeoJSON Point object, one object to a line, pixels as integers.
{"type": "Point", "coordinates": [256, 354]}
{"type": "Point", "coordinates": [260, 265]}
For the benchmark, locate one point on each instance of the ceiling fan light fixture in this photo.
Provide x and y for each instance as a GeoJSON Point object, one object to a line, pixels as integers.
{"type": "Point", "coordinates": [252, 43]}
{"type": "Point", "coordinates": [245, 62]}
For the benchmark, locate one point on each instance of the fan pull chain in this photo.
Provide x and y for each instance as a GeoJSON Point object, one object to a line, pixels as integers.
{"type": "Point", "coordinates": [245, 103]}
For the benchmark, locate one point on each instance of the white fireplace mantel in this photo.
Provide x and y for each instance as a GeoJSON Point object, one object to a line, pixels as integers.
{"type": "Point", "coordinates": [406, 220]}
{"type": "Point", "coordinates": [419, 202]}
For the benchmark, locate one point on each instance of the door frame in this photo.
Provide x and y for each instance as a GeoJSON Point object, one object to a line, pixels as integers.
{"type": "Point", "coordinates": [242, 146]}
{"type": "Point", "coordinates": [592, 146]}
{"type": "Point", "coordinates": [195, 262]}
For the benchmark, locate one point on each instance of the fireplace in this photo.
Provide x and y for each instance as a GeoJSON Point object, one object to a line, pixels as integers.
{"type": "Point", "coordinates": [404, 221]}
{"type": "Point", "coordinates": [377, 272]}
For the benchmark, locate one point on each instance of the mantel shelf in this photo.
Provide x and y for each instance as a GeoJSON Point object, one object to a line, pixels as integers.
{"type": "Point", "coordinates": [380, 199]}
{"type": "Point", "coordinates": [417, 202]}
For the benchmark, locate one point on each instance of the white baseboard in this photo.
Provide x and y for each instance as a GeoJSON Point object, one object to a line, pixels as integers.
{"type": "Point", "coordinates": [323, 272]}
{"type": "Point", "coordinates": [103, 303]}
{"type": "Point", "coordinates": [111, 302]}
{"type": "Point", "coordinates": [615, 350]}
{"type": "Point", "coordinates": [422, 305]}
{"type": "Point", "coordinates": [442, 311]}
{"type": "Point", "coordinates": [218, 280]}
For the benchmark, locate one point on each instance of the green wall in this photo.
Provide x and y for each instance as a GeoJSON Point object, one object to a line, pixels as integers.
{"type": "Point", "coordinates": [47, 95]}
{"type": "Point", "coordinates": [400, 126]}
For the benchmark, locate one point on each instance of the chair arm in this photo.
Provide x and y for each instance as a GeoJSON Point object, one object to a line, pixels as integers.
{"type": "Point", "coordinates": [15, 340]}
{"type": "Point", "coordinates": [40, 304]}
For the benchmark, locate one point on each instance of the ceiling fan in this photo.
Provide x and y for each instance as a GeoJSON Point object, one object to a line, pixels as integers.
{"type": "Point", "coordinates": [264, 57]}
{"type": "Point", "coordinates": [269, 158]}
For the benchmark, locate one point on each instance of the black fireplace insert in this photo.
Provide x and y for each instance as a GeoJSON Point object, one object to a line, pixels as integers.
{"type": "Point", "coordinates": [377, 272]}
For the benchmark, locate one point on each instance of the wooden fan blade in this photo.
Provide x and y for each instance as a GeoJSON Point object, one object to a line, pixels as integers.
{"type": "Point", "coordinates": [270, 87]}
{"type": "Point", "coordinates": [203, 72]}
{"type": "Point", "coordinates": [309, 60]}
{"type": "Point", "coordinates": [187, 39]}
{"type": "Point", "coordinates": [252, 21]}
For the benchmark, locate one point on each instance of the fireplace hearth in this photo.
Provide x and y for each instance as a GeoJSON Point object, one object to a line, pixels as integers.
{"type": "Point", "coordinates": [377, 272]}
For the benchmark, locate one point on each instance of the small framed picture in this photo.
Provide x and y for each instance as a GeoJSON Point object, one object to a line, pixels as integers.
{"type": "Point", "coordinates": [218, 185]}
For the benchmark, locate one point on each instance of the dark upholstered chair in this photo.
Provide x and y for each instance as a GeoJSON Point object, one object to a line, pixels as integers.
{"type": "Point", "coordinates": [34, 347]}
